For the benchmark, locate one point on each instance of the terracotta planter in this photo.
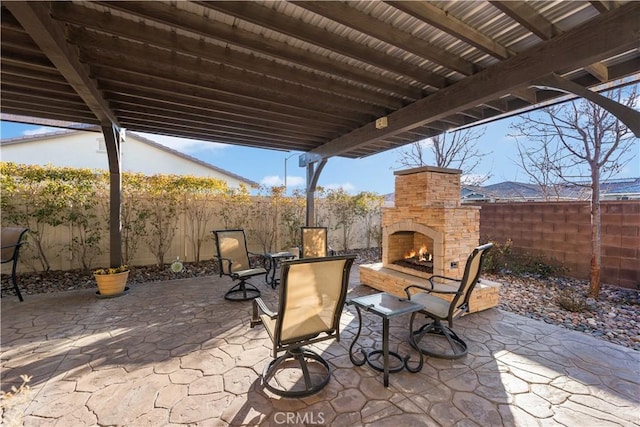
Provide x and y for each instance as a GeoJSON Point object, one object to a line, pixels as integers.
{"type": "Point", "coordinates": [111, 284]}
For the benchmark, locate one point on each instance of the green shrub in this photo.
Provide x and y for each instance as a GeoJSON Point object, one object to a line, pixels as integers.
{"type": "Point", "coordinates": [535, 265]}
{"type": "Point", "coordinates": [572, 300]}
{"type": "Point", "coordinates": [503, 259]}
{"type": "Point", "coordinates": [497, 259]}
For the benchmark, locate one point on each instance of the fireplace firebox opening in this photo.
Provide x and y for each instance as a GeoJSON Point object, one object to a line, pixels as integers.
{"type": "Point", "coordinates": [412, 250]}
{"type": "Point", "coordinates": [420, 260]}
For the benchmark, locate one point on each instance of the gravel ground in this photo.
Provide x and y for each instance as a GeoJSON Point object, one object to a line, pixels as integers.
{"type": "Point", "coordinates": [614, 317]}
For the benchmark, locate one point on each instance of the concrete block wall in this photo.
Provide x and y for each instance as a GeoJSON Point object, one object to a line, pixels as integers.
{"type": "Point", "coordinates": [561, 232]}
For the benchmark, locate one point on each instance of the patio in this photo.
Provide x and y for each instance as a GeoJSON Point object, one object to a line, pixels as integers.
{"type": "Point", "coordinates": [177, 353]}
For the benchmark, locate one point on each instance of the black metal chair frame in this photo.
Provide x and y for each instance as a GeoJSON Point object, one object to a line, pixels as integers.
{"type": "Point", "coordinates": [458, 306]}
{"type": "Point", "coordinates": [243, 290]}
{"type": "Point", "coordinates": [295, 349]}
{"type": "Point", "coordinates": [14, 255]}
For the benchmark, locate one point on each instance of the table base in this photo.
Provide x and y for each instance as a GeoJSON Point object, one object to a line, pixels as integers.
{"type": "Point", "coordinates": [380, 368]}
{"type": "Point", "coordinates": [385, 368]}
{"type": "Point", "coordinates": [274, 260]}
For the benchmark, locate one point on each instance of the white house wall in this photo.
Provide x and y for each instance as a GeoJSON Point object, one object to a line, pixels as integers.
{"type": "Point", "coordinates": [79, 150]}
{"type": "Point", "coordinates": [82, 150]}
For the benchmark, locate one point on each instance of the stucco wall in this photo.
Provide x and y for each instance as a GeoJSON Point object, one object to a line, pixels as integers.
{"type": "Point", "coordinates": [559, 231]}
{"type": "Point", "coordinates": [57, 240]}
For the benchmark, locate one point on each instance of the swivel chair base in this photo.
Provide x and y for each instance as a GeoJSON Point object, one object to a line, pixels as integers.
{"type": "Point", "coordinates": [312, 382]}
{"type": "Point", "coordinates": [439, 332]}
{"type": "Point", "coordinates": [242, 291]}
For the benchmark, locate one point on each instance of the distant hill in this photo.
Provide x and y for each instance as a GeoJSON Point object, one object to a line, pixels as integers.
{"type": "Point", "coordinates": [614, 189]}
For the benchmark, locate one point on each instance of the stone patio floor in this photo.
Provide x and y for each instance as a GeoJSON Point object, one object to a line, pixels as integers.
{"type": "Point", "coordinates": [176, 353]}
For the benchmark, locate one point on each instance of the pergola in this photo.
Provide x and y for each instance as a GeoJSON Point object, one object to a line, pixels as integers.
{"type": "Point", "coordinates": [347, 79]}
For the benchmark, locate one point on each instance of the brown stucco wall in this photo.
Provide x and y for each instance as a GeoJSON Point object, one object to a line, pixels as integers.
{"type": "Point", "coordinates": [560, 231]}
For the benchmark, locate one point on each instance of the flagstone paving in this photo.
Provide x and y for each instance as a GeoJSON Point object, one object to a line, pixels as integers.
{"type": "Point", "coordinates": [177, 353]}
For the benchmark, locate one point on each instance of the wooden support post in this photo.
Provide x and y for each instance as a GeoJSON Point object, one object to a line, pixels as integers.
{"type": "Point", "coordinates": [313, 174]}
{"type": "Point", "coordinates": [113, 139]}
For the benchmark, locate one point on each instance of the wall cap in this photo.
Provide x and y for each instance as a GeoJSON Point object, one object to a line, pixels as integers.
{"type": "Point", "coordinates": [427, 169]}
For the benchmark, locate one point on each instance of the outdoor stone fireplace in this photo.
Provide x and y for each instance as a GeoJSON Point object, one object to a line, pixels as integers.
{"type": "Point", "coordinates": [428, 232]}
{"type": "Point", "coordinates": [429, 217]}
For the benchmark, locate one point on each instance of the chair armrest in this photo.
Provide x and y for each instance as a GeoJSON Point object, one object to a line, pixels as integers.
{"type": "Point", "coordinates": [442, 277]}
{"type": "Point", "coordinates": [220, 259]}
{"type": "Point", "coordinates": [260, 306]}
{"type": "Point", "coordinates": [13, 258]}
{"type": "Point", "coordinates": [11, 246]}
{"type": "Point", "coordinates": [259, 302]}
{"type": "Point", "coordinates": [263, 258]}
{"type": "Point", "coordinates": [406, 290]}
{"type": "Point", "coordinates": [435, 291]}
{"type": "Point", "coordinates": [428, 290]}
{"type": "Point", "coordinates": [440, 291]}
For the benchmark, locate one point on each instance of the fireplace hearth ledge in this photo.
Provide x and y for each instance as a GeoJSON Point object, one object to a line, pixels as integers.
{"type": "Point", "coordinates": [484, 296]}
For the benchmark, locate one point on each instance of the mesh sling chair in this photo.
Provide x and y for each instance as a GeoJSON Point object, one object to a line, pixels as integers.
{"type": "Point", "coordinates": [312, 296]}
{"type": "Point", "coordinates": [314, 242]}
{"type": "Point", "coordinates": [439, 309]}
{"type": "Point", "coordinates": [11, 240]}
{"type": "Point", "coordinates": [233, 261]}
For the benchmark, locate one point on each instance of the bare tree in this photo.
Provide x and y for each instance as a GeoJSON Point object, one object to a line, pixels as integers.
{"type": "Point", "coordinates": [592, 145]}
{"type": "Point", "coordinates": [543, 163]}
{"type": "Point", "coordinates": [456, 150]}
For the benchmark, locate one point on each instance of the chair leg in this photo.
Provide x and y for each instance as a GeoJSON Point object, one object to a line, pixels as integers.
{"type": "Point", "coordinates": [435, 327]}
{"type": "Point", "coordinates": [255, 316]}
{"type": "Point", "coordinates": [302, 356]}
{"type": "Point", "coordinates": [242, 291]}
{"type": "Point", "coordinates": [14, 279]}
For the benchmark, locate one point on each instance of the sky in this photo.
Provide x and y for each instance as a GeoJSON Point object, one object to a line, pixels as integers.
{"type": "Point", "coordinates": [373, 173]}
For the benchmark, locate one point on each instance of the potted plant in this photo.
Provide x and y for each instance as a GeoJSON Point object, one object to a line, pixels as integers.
{"type": "Point", "coordinates": [111, 281]}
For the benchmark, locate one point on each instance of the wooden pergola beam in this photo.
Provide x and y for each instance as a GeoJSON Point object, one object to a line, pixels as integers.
{"type": "Point", "coordinates": [575, 49]}
{"type": "Point", "coordinates": [627, 115]}
{"type": "Point", "coordinates": [442, 20]}
{"type": "Point", "coordinates": [342, 13]}
{"type": "Point", "coordinates": [48, 34]}
{"type": "Point", "coordinates": [527, 16]}
{"type": "Point", "coordinates": [173, 45]}
{"type": "Point", "coordinates": [297, 29]}
{"type": "Point", "coordinates": [166, 13]}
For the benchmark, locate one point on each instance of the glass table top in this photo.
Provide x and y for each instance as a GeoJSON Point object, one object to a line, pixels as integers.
{"type": "Point", "coordinates": [385, 304]}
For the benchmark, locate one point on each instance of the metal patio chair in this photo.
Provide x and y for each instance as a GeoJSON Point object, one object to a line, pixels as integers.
{"type": "Point", "coordinates": [438, 309]}
{"type": "Point", "coordinates": [314, 242]}
{"type": "Point", "coordinates": [234, 261]}
{"type": "Point", "coordinates": [312, 296]}
{"type": "Point", "coordinates": [11, 241]}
